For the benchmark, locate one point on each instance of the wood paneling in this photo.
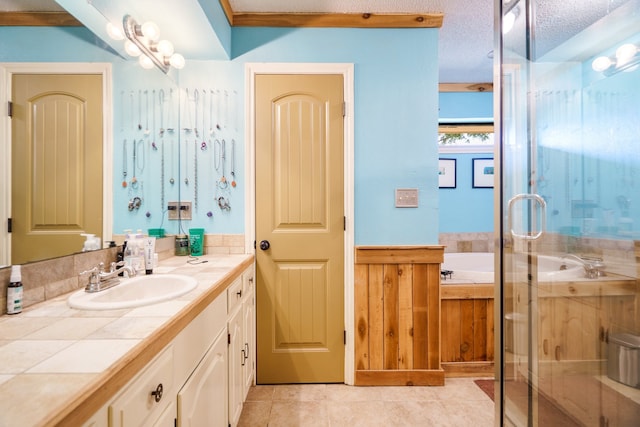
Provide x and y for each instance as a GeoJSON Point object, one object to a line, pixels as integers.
{"type": "Point", "coordinates": [465, 87]}
{"type": "Point", "coordinates": [335, 20]}
{"type": "Point", "coordinates": [467, 330]}
{"type": "Point", "coordinates": [397, 315]}
{"type": "Point", "coordinates": [38, 19]}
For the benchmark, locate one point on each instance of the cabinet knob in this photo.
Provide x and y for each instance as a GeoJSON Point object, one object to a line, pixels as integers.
{"type": "Point", "coordinates": [157, 393]}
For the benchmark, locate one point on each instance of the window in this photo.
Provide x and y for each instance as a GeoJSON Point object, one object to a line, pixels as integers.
{"type": "Point", "coordinates": [465, 138]}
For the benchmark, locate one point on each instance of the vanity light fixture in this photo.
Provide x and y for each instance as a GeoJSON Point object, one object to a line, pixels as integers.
{"type": "Point", "coordinates": [144, 41]}
{"type": "Point", "coordinates": [626, 59]}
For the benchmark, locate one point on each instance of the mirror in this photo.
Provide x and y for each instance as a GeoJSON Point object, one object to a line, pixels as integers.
{"type": "Point", "coordinates": [137, 104]}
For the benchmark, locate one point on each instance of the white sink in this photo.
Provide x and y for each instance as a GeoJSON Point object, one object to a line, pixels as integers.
{"type": "Point", "coordinates": [134, 292]}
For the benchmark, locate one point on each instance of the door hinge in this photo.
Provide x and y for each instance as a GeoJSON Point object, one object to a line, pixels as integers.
{"type": "Point", "coordinates": [9, 225]}
{"type": "Point", "coordinates": [345, 223]}
{"type": "Point", "coordinates": [228, 339]}
{"type": "Point", "coordinates": [344, 109]}
{"type": "Point", "coordinates": [10, 109]}
{"type": "Point", "coordinates": [345, 337]}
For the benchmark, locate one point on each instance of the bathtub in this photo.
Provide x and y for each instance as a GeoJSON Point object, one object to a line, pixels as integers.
{"type": "Point", "coordinates": [477, 267]}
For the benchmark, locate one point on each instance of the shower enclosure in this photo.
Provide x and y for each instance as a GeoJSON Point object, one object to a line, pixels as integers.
{"type": "Point", "coordinates": [568, 121]}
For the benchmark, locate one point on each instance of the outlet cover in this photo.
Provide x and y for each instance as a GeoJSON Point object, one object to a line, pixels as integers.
{"type": "Point", "coordinates": [179, 210]}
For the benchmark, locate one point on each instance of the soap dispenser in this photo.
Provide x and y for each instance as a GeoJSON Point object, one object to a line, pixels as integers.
{"type": "Point", "coordinates": [15, 291]}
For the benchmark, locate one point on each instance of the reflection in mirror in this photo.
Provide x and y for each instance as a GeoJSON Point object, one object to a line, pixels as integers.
{"type": "Point", "coordinates": [130, 96]}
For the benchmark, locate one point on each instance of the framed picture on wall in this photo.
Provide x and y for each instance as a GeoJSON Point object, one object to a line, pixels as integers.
{"type": "Point", "coordinates": [482, 173]}
{"type": "Point", "coordinates": [447, 173]}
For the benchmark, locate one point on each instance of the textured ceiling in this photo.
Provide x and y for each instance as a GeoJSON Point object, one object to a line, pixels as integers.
{"type": "Point", "coordinates": [465, 39]}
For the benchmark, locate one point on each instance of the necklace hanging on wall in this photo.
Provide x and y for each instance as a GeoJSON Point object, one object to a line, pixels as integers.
{"type": "Point", "coordinates": [223, 179]}
{"type": "Point", "coordinates": [134, 180]}
{"type": "Point", "coordinates": [170, 127]}
{"type": "Point", "coordinates": [196, 96]}
{"type": "Point", "coordinates": [161, 175]}
{"type": "Point", "coordinates": [171, 161]}
{"type": "Point", "coordinates": [153, 120]}
{"type": "Point", "coordinates": [186, 162]}
{"type": "Point", "coordinates": [141, 156]}
{"type": "Point", "coordinates": [139, 109]}
{"type": "Point", "coordinates": [233, 161]}
{"type": "Point", "coordinates": [124, 163]}
{"type": "Point", "coordinates": [147, 131]}
{"type": "Point", "coordinates": [195, 173]}
{"type": "Point", "coordinates": [161, 101]}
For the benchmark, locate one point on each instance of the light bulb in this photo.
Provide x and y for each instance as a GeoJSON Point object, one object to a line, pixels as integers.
{"type": "Point", "coordinates": [145, 62]}
{"type": "Point", "coordinates": [601, 63]}
{"type": "Point", "coordinates": [165, 47]}
{"type": "Point", "coordinates": [114, 31]}
{"type": "Point", "coordinates": [625, 52]}
{"type": "Point", "coordinates": [177, 61]}
{"type": "Point", "coordinates": [151, 31]}
{"type": "Point", "coordinates": [131, 48]}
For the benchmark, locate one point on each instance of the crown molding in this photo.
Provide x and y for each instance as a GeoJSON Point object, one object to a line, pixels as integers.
{"type": "Point", "coordinates": [38, 19]}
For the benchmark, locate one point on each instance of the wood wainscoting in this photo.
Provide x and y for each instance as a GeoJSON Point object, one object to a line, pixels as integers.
{"type": "Point", "coordinates": [467, 313]}
{"type": "Point", "coordinates": [397, 315]}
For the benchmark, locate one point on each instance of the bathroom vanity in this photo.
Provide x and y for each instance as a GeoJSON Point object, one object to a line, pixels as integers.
{"type": "Point", "coordinates": [189, 361]}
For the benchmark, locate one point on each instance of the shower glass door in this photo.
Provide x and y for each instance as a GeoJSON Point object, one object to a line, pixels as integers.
{"type": "Point", "coordinates": [568, 120]}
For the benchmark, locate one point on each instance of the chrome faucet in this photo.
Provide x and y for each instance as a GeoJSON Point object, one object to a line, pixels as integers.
{"type": "Point", "coordinates": [593, 266]}
{"type": "Point", "coordinates": [99, 280]}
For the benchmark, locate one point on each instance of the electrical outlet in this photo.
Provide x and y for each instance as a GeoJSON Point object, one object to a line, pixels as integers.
{"type": "Point", "coordinates": [179, 210]}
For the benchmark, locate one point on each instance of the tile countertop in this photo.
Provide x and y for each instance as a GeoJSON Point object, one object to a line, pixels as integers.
{"type": "Point", "coordinates": [59, 365]}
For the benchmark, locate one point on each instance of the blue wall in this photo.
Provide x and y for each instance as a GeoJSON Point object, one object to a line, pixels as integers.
{"type": "Point", "coordinates": [396, 112]}
{"type": "Point", "coordinates": [462, 106]}
{"type": "Point", "coordinates": [465, 209]}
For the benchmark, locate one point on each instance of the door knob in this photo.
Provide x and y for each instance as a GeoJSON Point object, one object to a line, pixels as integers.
{"type": "Point", "coordinates": [264, 245]}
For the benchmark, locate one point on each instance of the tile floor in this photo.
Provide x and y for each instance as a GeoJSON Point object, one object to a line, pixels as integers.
{"type": "Point", "coordinates": [459, 403]}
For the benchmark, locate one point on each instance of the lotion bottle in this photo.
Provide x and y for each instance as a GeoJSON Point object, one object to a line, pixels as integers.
{"type": "Point", "coordinates": [15, 291]}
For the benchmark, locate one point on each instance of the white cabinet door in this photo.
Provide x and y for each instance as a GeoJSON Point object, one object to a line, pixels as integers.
{"type": "Point", "coordinates": [236, 360]}
{"type": "Point", "coordinates": [147, 395]}
{"type": "Point", "coordinates": [248, 309]}
{"type": "Point", "coordinates": [202, 401]}
{"type": "Point", "coordinates": [168, 416]}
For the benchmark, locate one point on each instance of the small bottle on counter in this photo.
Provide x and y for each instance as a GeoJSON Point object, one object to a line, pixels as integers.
{"type": "Point", "coordinates": [15, 291]}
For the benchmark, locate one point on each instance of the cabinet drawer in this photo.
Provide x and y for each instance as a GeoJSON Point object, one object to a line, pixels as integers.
{"type": "Point", "coordinates": [234, 295]}
{"type": "Point", "coordinates": [136, 405]}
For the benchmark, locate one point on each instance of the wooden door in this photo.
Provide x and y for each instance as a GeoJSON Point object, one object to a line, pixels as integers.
{"type": "Point", "coordinates": [300, 213]}
{"type": "Point", "coordinates": [56, 190]}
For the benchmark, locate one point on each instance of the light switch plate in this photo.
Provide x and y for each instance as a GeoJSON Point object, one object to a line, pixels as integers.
{"type": "Point", "coordinates": [406, 197]}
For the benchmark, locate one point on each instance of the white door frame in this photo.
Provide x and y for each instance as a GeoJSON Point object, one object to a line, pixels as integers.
{"type": "Point", "coordinates": [7, 70]}
{"type": "Point", "coordinates": [251, 69]}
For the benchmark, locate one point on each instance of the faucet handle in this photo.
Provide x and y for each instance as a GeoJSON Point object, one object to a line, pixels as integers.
{"type": "Point", "coordinates": [92, 271]}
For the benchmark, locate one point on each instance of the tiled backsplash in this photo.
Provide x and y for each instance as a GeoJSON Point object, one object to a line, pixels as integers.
{"type": "Point", "coordinates": [467, 242]}
{"type": "Point", "coordinates": [48, 279]}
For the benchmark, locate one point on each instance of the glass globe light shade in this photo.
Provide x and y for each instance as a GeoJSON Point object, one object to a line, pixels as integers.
{"type": "Point", "coordinates": [114, 31]}
{"type": "Point", "coordinates": [145, 62]}
{"type": "Point", "coordinates": [177, 61]}
{"type": "Point", "coordinates": [131, 48]}
{"type": "Point", "coordinates": [165, 47]}
{"type": "Point", "coordinates": [601, 63]}
{"type": "Point", "coordinates": [151, 31]}
{"type": "Point", "coordinates": [508, 21]}
{"type": "Point", "coordinates": [625, 52]}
